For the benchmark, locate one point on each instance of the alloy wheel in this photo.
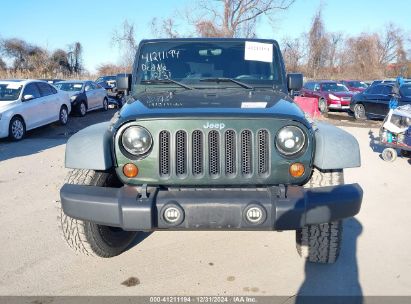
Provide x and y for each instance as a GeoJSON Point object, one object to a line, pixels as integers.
{"type": "Point", "coordinates": [17, 129]}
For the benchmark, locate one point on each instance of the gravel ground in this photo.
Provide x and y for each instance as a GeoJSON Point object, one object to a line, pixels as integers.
{"type": "Point", "coordinates": [34, 260]}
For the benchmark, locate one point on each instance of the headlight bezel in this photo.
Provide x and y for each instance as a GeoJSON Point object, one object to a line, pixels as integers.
{"type": "Point", "coordinates": [300, 151]}
{"type": "Point", "coordinates": [129, 154]}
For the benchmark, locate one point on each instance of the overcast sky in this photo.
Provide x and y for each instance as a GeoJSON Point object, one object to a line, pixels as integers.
{"type": "Point", "coordinates": [55, 24]}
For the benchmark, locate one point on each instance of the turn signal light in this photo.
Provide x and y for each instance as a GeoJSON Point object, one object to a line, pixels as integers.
{"type": "Point", "coordinates": [297, 170]}
{"type": "Point", "coordinates": [130, 170]}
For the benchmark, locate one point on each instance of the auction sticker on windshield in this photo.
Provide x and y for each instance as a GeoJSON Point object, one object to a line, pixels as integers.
{"type": "Point", "coordinates": [258, 51]}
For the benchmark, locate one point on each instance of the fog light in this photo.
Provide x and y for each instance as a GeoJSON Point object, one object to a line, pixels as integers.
{"type": "Point", "coordinates": [172, 215]}
{"type": "Point", "coordinates": [130, 170]}
{"type": "Point", "coordinates": [255, 214]}
{"type": "Point", "coordinates": [297, 170]}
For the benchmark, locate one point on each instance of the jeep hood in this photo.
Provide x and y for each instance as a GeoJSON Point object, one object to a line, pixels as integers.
{"type": "Point", "coordinates": [212, 103]}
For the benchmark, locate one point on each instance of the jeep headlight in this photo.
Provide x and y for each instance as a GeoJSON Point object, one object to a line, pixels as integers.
{"type": "Point", "coordinates": [290, 140]}
{"type": "Point", "coordinates": [136, 140]}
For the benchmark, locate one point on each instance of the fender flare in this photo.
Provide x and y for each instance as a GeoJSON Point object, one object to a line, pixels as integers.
{"type": "Point", "coordinates": [90, 148]}
{"type": "Point", "coordinates": [335, 148]}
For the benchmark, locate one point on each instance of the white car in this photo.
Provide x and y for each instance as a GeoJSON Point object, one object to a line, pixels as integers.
{"type": "Point", "coordinates": [85, 95]}
{"type": "Point", "coordinates": [28, 104]}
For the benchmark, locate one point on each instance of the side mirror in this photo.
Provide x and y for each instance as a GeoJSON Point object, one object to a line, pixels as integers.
{"type": "Point", "coordinates": [294, 81]}
{"type": "Point", "coordinates": [28, 97]}
{"type": "Point", "coordinates": [123, 82]}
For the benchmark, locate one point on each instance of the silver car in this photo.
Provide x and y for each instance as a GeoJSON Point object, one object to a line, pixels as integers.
{"type": "Point", "coordinates": [28, 104]}
{"type": "Point", "coordinates": [85, 95]}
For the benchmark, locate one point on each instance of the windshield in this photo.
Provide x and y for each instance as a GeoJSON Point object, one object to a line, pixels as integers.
{"type": "Point", "coordinates": [10, 91]}
{"type": "Point", "coordinates": [69, 86]}
{"type": "Point", "coordinates": [405, 90]}
{"type": "Point", "coordinates": [357, 84]}
{"type": "Point", "coordinates": [334, 87]}
{"type": "Point", "coordinates": [205, 64]}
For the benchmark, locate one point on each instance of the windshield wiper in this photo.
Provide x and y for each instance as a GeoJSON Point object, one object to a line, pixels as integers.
{"type": "Point", "coordinates": [223, 79]}
{"type": "Point", "coordinates": [167, 81]}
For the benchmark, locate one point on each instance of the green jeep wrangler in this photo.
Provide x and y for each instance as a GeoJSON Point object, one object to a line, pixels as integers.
{"type": "Point", "coordinates": [209, 139]}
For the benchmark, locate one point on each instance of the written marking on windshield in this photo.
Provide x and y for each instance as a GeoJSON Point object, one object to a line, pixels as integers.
{"type": "Point", "coordinates": [158, 56]}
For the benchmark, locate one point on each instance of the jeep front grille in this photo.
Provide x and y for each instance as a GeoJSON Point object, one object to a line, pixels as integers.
{"type": "Point", "coordinates": [214, 154]}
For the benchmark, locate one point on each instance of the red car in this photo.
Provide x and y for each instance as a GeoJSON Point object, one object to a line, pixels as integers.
{"type": "Point", "coordinates": [331, 95]}
{"type": "Point", "coordinates": [354, 86]}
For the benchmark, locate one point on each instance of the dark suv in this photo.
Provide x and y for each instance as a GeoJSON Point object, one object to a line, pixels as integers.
{"type": "Point", "coordinates": [331, 95]}
{"type": "Point", "coordinates": [209, 139]}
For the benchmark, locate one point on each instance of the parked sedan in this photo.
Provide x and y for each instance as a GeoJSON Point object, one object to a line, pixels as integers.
{"type": "Point", "coordinates": [85, 95]}
{"type": "Point", "coordinates": [28, 104]}
{"type": "Point", "coordinates": [330, 94]}
{"type": "Point", "coordinates": [354, 86]}
{"type": "Point", "coordinates": [374, 102]}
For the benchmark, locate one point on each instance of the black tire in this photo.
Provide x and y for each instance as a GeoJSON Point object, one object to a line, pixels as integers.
{"type": "Point", "coordinates": [322, 106]}
{"type": "Point", "coordinates": [17, 128]}
{"type": "Point", "coordinates": [63, 115]}
{"type": "Point", "coordinates": [82, 109]}
{"type": "Point", "coordinates": [321, 243]}
{"type": "Point", "coordinates": [105, 104]}
{"type": "Point", "coordinates": [389, 154]}
{"type": "Point", "coordinates": [359, 112]}
{"type": "Point", "coordinates": [89, 238]}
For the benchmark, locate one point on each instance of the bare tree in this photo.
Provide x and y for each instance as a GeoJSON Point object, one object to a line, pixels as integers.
{"type": "Point", "coordinates": [3, 65]}
{"type": "Point", "coordinates": [75, 58]}
{"type": "Point", "coordinates": [125, 40]}
{"type": "Point", "coordinates": [387, 44]}
{"type": "Point", "coordinates": [317, 46]}
{"type": "Point", "coordinates": [164, 28]}
{"type": "Point", "coordinates": [234, 18]}
{"type": "Point", "coordinates": [294, 53]}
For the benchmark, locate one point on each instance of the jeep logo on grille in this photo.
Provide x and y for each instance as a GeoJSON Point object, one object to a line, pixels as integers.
{"type": "Point", "coordinates": [215, 125]}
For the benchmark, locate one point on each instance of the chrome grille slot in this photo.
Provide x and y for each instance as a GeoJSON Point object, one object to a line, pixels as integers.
{"type": "Point", "coordinates": [181, 153]}
{"type": "Point", "coordinates": [197, 151]}
{"type": "Point", "coordinates": [263, 142]}
{"type": "Point", "coordinates": [214, 153]}
{"type": "Point", "coordinates": [230, 153]}
{"type": "Point", "coordinates": [164, 156]}
{"type": "Point", "coordinates": [246, 153]}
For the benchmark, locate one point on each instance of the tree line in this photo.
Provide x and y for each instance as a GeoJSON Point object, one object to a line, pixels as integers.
{"type": "Point", "coordinates": [27, 60]}
{"type": "Point", "coordinates": [320, 54]}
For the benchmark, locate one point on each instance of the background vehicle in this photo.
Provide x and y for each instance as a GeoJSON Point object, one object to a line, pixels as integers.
{"type": "Point", "coordinates": [28, 104]}
{"type": "Point", "coordinates": [374, 102]}
{"type": "Point", "coordinates": [212, 118]}
{"type": "Point", "coordinates": [354, 85]}
{"type": "Point", "coordinates": [51, 80]}
{"type": "Point", "coordinates": [331, 95]}
{"type": "Point", "coordinates": [386, 81]}
{"type": "Point", "coordinates": [85, 95]}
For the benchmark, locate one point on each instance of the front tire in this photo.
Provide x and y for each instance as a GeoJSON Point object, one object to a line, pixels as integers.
{"type": "Point", "coordinates": [322, 106]}
{"type": "Point", "coordinates": [321, 243]}
{"type": "Point", "coordinates": [359, 111]}
{"type": "Point", "coordinates": [82, 109]}
{"type": "Point", "coordinates": [105, 104]}
{"type": "Point", "coordinates": [17, 128]}
{"type": "Point", "coordinates": [89, 238]}
{"type": "Point", "coordinates": [63, 115]}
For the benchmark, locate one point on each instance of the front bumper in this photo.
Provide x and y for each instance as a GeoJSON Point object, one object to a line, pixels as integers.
{"type": "Point", "coordinates": [285, 208]}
